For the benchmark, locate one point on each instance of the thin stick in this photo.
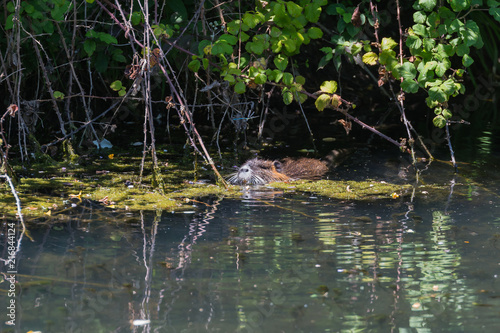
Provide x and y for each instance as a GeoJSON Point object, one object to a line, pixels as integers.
{"type": "Point", "coordinates": [19, 213]}
{"type": "Point", "coordinates": [452, 153]}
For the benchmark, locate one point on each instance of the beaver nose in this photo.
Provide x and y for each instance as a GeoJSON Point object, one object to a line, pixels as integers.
{"type": "Point", "coordinates": [244, 170]}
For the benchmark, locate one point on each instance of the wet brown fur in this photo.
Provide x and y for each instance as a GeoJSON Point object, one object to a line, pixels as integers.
{"type": "Point", "coordinates": [258, 171]}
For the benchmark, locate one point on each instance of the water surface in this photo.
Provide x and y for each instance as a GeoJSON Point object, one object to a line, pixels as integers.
{"type": "Point", "coordinates": [425, 262]}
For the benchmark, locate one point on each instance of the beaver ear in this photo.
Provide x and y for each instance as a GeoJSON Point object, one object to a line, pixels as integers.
{"type": "Point", "coordinates": [277, 165]}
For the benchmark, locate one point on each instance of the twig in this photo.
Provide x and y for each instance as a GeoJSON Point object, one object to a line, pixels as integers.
{"type": "Point", "coordinates": [49, 85]}
{"type": "Point", "coordinates": [87, 123]}
{"type": "Point", "coordinates": [19, 213]}
{"type": "Point", "coordinates": [16, 197]}
{"type": "Point", "coordinates": [73, 72]}
{"type": "Point", "coordinates": [370, 128]}
{"type": "Point", "coordinates": [452, 153]}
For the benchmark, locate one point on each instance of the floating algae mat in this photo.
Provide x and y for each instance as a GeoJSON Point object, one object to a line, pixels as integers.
{"type": "Point", "coordinates": [115, 184]}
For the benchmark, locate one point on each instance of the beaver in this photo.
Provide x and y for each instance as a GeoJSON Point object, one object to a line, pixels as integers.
{"type": "Point", "coordinates": [259, 171]}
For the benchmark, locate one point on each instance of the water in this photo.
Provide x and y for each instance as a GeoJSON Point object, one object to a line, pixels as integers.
{"type": "Point", "coordinates": [272, 263]}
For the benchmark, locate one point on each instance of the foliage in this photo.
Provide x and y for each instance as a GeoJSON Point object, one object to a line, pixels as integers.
{"type": "Point", "coordinates": [278, 29]}
{"type": "Point", "coordinates": [96, 51]}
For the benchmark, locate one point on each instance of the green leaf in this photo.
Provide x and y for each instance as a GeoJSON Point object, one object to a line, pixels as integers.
{"type": "Point", "coordinates": [473, 34]}
{"type": "Point", "coordinates": [281, 61]}
{"type": "Point", "coordinates": [260, 78]}
{"type": "Point", "coordinates": [420, 30]}
{"type": "Point", "coordinates": [442, 67]}
{"type": "Point", "coordinates": [409, 86]}
{"type": "Point", "coordinates": [356, 48]}
{"type": "Point", "coordinates": [48, 27]}
{"type": "Point", "coordinates": [11, 7]}
{"type": "Point", "coordinates": [290, 45]}
{"type": "Point", "coordinates": [276, 46]}
{"type": "Point", "coordinates": [425, 75]}
{"type": "Point", "coordinates": [495, 12]}
{"type": "Point", "coordinates": [179, 9]}
{"type": "Point", "coordinates": [279, 76]}
{"type": "Point", "coordinates": [459, 5]}
{"type": "Point", "coordinates": [240, 87]}
{"type": "Point", "coordinates": [9, 23]}
{"type": "Point", "coordinates": [255, 47]}
{"type": "Point", "coordinates": [431, 103]}
{"type": "Point", "coordinates": [28, 7]}
{"type": "Point", "coordinates": [118, 56]}
{"type": "Point", "coordinates": [419, 17]}
{"type": "Point", "coordinates": [194, 65]}
{"type": "Point", "coordinates": [442, 29]}
{"type": "Point", "coordinates": [107, 38]}
{"type": "Point", "coordinates": [388, 58]}
{"type": "Point", "coordinates": [430, 65]}
{"type": "Point", "coordinates": [407, 71]}
{"type": "Point", "coordinates": [427, 5]}
{"type": "Point", "coordinates": [275, 32]}
{"type": "Point", "coordinates": [116, 85]}
{"type": "Point", "coordinates": [221, 47]}
{"type": "Point", "coordinates": [329, 87]}
{"type": "Point", "coordinates": [414, 42]}
{"type": "Point", "coordinates": [387, 44]}
{"type": "Point", "coordinates": [370, 58]}
{"type": "Point", "coordinates": [229, 39]}
{"type": "Point", "coordinates": [287, 96]}
{"type": "Point", "coordinates": [462, 49]}
{"type": "Point", "coordinates": [302, 97]}
{"type": "Point", "coordinates": [322, 102]}
{"type": "Point", "coordinates": [352, 30]}
{"type": "Point", "coordinates": [287, 79]}
{"type": "Point", "coordinates": [315, 33]}
{"type": "Point", "coordinates": [57, 13]}
{"type": "Point", "coordinates": [312, 12]}
{"type": "Point", "coordinates": [233, 27]}
{"type": "Point", "coordinates": [89, 46]}
{"type": "Point", "coordinates": [229, 78]}
{"type": "Point", "coordinates": [244, 37]}
{"type": "Point", "coordinates": [446, 114]}
{"type": "Point", "coordinates": [324, 61]}
{"type": "Point", "coordinates": [429, 44]}
{"type": "Point", "coordinates": [455, 26]}
{"type": "Point", "coordinates": [439, 121]}
{"type": "Point", "coordinates": [251, 20]}
{"type": "Point", "coordinates": [137, 18]}
{"type": "Point", "coordinates": [436, 93]}
{"type": "Point", "coordinates": [434, 83]}
{"type": "Point", "coordinates": [293, 9]}
{"type": "Point", "coordinates": [433, 20]}
{"type": "Point", "coordinates": [467, 60]}
{"type": "Point", "coordinates": [445, 51]}
{"type": "Point", "coordinates": [59, 95]}
{"type": "Point", "coordinates": [445, 13]}
{"type": "Point", "coordinates": [300, 79]}
{"type": "Point", "coordinates": [448, 87]}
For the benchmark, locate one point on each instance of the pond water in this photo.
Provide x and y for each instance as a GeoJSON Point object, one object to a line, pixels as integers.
{"type": "Point", "coordinates": [272, 262]}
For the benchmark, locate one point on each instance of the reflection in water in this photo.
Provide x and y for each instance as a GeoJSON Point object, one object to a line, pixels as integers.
{"type": "Point", "coordinates": [268, 263]}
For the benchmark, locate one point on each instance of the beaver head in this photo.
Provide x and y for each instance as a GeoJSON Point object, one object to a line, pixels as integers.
{"type": "Point", "coordinates": [258, 172]}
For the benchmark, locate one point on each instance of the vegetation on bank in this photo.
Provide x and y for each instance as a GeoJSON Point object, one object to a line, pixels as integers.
{"type": "Point", "coordinates": [81, 76]}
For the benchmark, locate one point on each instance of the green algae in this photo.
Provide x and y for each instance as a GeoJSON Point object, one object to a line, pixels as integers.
{"type": "Point", "coordinates": [113, 181]}
{"type": "Point", "coordinates": [347, 190]}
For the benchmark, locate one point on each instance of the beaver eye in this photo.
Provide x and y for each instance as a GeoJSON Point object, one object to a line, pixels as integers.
{"type": "Point", "coordinates": [277, 166]}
